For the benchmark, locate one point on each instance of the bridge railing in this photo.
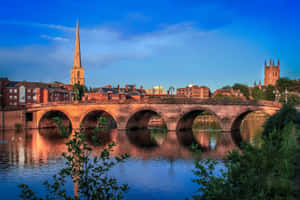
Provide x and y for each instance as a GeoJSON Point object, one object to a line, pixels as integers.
{"type": "Point", "coordinates": [165, 101]}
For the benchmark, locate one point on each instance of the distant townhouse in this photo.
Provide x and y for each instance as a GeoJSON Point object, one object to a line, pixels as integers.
{"type": "Point", "coordinates": [229, 92]}
{"type": "Point", "coordinates": [108, 92]}
{"type": "Point", "coordinates": [193, 91]}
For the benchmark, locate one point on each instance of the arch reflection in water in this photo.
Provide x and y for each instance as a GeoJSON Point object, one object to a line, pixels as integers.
{"type": "Point", "coordinates": [147, 138]}
{"type": "Point", "coordinates": [199, 119]}
{"type": "Point", "coordinates": [251, 127]}
{"type": "Point", "coordinates": [207, 141]}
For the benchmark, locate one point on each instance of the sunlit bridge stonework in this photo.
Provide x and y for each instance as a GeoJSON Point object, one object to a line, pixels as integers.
{"type": "Point", "coordinates": [176, 114]}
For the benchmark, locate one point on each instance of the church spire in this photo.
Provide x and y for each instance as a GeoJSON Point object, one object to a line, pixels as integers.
{"type": "Point", "coordinates": [77, 71]}
{"type": "Point", "coordinates": [77, 56]}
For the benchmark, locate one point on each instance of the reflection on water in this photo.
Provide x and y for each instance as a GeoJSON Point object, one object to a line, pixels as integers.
{"type": "Point", "coordinates": [159, 168]}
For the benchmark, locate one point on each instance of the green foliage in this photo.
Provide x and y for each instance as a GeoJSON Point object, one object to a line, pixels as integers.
{"type": "Point", "coordinates": [243, 88]}
{"type": "Point", "coordinates": [293, 99]}
{"type": "Point", "coordinates": [255, 173]}
{"type": "Point", "coordinates": [89, 174]}
{"type": "Point", "coordinates": [269, 95]}
{"type": "Point", "coordinates": [221, 97]}
{"type": "Point", "coordinates": [79, 91]}
{"type": "Point", "coordinates": [226, 87]}
{"type": "Point", "coordinates": [58, 82]}
{"type": "Point", "coordinates": [287, 114]}
{"type": "Point", "coordinates": [283, 83]}
{"type": "Point", "coordinates": [258, 94]}
{"type": "Point", "coordinates": [63, 130]}
{"type": "Point", "coordinates": [18, 127]}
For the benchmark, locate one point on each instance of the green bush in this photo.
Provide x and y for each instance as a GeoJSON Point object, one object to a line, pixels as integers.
{"type": "Point", "coordinates": [287, 114]}
{"type": "Point", "coordinates": [254, 173]}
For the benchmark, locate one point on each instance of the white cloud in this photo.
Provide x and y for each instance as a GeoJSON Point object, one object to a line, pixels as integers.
{"type": "Point", "coordinates": [54, 38]}
{"type": "Point", "coordinates": [100, 47]}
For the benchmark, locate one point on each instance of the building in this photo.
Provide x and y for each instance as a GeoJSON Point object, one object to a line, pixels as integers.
{"type": "Point", "coordinates": [21, 93]}
{"type": "Point", "coordinates": [77, 71]}
{"type": "Point", "coordinates": [115, 93]}
{"type": "Point", "coordinates": [193, 91]}
{"type": "Point", "coordinates": [155, 90]}
{"type": "Point", "coordinates": [272, 73]}
{"type": "Point", "coordinates": [229, 92]}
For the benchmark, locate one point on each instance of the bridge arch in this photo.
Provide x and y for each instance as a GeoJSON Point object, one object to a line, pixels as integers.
{"type": "Point", "coordinates": [186, 119]}
{"type": "Point", "coordinates": [237, 122]}
{"type": "Point", "coordinates": [90, 118]}
{"type": "Point", "coordinates": [45, 119]}
{"type": "Point", "coordinates": [141, 117]}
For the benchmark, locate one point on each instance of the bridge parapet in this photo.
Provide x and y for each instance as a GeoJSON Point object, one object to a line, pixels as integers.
{"type": "Point", "coordinates": [165, 101]}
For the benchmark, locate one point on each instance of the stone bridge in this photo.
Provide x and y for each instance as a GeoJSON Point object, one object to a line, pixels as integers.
{"type": "Point", "coordinates": [176, 114]}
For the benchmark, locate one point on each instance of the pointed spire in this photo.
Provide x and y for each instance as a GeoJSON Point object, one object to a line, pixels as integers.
{"type": "Point", "coordinates": [270, 62]}
{"type": "Point", "coordinates": [265, 63]}
{"type": "Point", "coordinates": [278, 63]}
{"type": "Point", "coordinates": [254, 83]}
{"type": "Point", "coordinates": [77, 56]}
{"type": "Point", "coordinates": [273, 62]}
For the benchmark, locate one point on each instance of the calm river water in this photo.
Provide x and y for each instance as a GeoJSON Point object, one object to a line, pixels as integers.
{"type": "Point", "coordinates": [160, 164]}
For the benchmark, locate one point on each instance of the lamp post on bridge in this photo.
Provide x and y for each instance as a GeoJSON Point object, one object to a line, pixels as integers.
{"type": "Point", "coordinates": [277, 94]}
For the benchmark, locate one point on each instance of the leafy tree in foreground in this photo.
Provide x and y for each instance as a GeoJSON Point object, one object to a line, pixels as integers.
{"type": "Point", "coordinates": [89, 175]}
{"type": "Point", "coordinates": [256, 173]}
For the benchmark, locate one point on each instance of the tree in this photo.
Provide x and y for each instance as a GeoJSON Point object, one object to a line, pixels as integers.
{"type": "Point", "coordinates": [284, 83]}
{"type": "Point", "coordinates": [269, 95]}
{"type": "Point", "coordinates": [258, 94]}
{"type": "Point", "coordinates": [226, 87]}
{"type": "Point", "coordinates": [264, 172]}
{"type": "Point", "coordinates": [79, 91]}
{"type": "Point", "coordinates": [243, 88]}
{"type": "Point", "coordinates": [89, 175]}
{"type": "Point", "coordinates": [293, 99]}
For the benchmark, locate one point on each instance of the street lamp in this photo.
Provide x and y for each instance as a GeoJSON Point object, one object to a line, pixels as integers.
{"type": "Point", "coordinates": [277, 95]}
{"type": "Point", "coordinates": [286, 95]}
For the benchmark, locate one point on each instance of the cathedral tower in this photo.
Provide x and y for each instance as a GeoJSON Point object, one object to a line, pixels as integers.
{"type": "Point", "coordinates": [272, 73]}
{"type": "Point", "coordinates": [77, 71]}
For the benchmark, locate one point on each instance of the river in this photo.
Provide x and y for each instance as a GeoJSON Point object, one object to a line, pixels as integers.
{"type": "Point", "coordinates": [160, 164]}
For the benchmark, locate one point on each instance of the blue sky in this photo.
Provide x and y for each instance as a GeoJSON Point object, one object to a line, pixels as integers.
{"type": "Point", "coordinates": [165, 42]}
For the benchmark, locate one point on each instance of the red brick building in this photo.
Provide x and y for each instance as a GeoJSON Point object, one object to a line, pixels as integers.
{"type": "Point", "coordinates": [115, 93]}
{"type": "Point", "coordinates": [20, 93]}
{"type": "Point", "coordinates": [228, 92]}
{"type": "Point", "coordinates": [193, 91]}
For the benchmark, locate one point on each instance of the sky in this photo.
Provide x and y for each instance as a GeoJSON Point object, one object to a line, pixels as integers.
{"type": "Point", "coordinates": [165, 42]}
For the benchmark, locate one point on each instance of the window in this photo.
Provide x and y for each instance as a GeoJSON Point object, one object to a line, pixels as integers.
{"type": "Point", "coordinates": [10, 90]}
{"type": "Point", "coordinates": [10, 103]}
{"type": "Point", "coordinates": [34, 97]}
{"type": "Point", "coordinates": [15, 97]}
{"type": "Point", "coordinates": [28, 90]}
{"type": "Point", "coordinates": [16, 90]}
{"type": "Point", "coordinates": [15, 103]}
{"type": "Point", "coordinates": [28, 97]}
{"type": "Point", "coordinates": [34, 91]}
{"type": "Point", "coordinates": [10, 97]}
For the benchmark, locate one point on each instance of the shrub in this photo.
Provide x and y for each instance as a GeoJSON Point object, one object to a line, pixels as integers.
{"type": "Point", "coordinates": [255, 173]}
